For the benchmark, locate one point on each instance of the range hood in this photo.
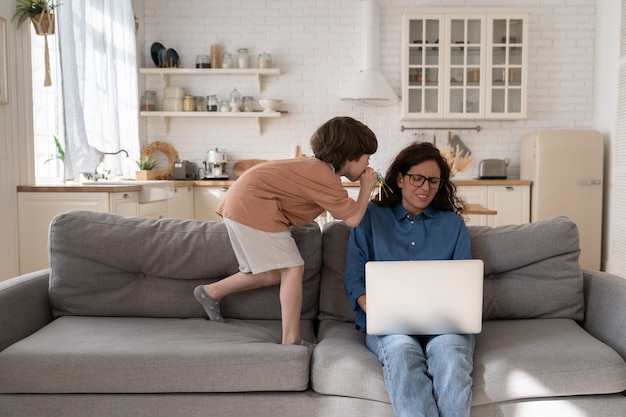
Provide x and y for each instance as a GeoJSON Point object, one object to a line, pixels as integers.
{"type": "Point", "coordinates": [369, 86]}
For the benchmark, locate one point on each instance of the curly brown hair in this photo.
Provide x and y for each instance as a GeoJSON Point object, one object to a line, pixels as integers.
{"type": "Point", "coordinates": [446, 198]}
{"type": "Point", "coordinates": [343, 139]}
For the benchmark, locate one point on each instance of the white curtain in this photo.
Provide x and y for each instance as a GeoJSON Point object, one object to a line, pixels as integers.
{"type": "Point", "coordinates": [99, 76]}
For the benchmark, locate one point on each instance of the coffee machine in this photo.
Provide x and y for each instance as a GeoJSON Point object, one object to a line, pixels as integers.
{"type": "Point", "coordinates": [215, 164]}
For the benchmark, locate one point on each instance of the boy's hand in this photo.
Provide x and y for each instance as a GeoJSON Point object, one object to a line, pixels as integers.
{"type": "Point", "coordinates": [368, 178]}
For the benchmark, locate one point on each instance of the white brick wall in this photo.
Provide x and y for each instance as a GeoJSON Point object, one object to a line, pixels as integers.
{"type": "Point", "coordinates": [317, 46]}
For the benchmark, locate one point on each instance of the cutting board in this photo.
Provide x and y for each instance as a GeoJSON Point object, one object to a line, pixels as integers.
{"type": "Point", "coordinates": [242, 166]}
{"type": "Point", "coordinates": [455, 142]}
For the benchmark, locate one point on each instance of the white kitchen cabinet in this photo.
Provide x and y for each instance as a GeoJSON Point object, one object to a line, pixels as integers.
{"type": "Point", "coordinates": [206, 200]}
{"type": "Point", "coordinates": [459, 64]}
{"type": "Point", "coordinates": [36, 211]}
{"type": "Point", "coordinates": [181, 205]}
{"type": "Point", "coordinates": [167, 74]}
{"type": "Point", "coordinates": [153, 209]}
{"type": "Point", "coordinates": [512, 203]}
{"type": "Point", "coordinates": [124, 203]}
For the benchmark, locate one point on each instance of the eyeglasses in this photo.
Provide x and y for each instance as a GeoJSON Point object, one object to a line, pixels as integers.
{"type": "Point", "coordinates": [417, 180]}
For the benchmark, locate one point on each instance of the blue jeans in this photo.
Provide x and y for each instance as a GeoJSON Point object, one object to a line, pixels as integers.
{"type": "Point", "coordinates": [426, 375]}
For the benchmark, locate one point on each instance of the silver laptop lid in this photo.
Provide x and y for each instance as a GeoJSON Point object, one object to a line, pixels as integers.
{"type": "Point", "coordinates": [424, 297]}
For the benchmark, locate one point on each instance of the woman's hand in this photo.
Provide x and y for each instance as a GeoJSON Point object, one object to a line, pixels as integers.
{"type": "Point", "coordinates": [362, 302]}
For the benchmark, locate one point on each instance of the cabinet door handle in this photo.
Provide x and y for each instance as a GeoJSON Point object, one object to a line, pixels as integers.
{"type": "Point", "coordinates": [590, 182]}
{"type": "Point", "coordinates": [126, 195]}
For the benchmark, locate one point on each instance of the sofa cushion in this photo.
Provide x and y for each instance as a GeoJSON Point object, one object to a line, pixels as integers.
{"type": "Point", "coordinates": [517, 359]}
{"type": "Point", "coordinates": [333, 300]}
{"type": "Point", "coordinates": [76, 354]}
{"type": "Point", "coordinates": [514, 359]}
{"type": "Point", "coordinates": [343, 365]}
{"type": "Point", "coordinates": [531, 270]}
{"type": "Point", "coordinates": [108, 265]}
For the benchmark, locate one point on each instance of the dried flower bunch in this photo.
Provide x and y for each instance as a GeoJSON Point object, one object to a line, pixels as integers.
{"type": "Point", "coordinates": [457, 161]}
{"type": "Point", "coordinates": [383, 187]}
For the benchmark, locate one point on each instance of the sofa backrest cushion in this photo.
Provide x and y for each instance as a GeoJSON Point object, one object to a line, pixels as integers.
{"type": "Point", "coordinates": [531, 270]}
{"type": "Point", "coordinates": [108, 265]}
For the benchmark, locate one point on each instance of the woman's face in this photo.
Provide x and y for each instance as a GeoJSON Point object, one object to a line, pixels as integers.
{"type": "Point", "coordinates": [416, 197]}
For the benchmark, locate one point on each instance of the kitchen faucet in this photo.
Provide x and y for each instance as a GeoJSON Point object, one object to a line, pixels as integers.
{"type": "Point", "coordinates": [95, 176]}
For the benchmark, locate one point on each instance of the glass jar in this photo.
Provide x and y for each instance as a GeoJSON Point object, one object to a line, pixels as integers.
{"type": "Point", "coordinates": [264, 60]}
{"type": "Point", "coordinates": [224, 106]}
{"type": "Point", "coordinates": [243, 57]}
{"type": "Point", "coordinates": [248, 104]}
{"type": "Point", "coordinates": [235, 100]}
{"type": "Point", "coordinates": [148, 101]}
{"type": "Point", "coordinates": [189, 103]}
{"type": "Point", "coordinates": [200, 103]}
{"type": "Point", "coordinates": [202, 61]}
{"type": "Point", "coordinates": [227, 60]}
{"type": "Point", "coordinates": [212, 103]}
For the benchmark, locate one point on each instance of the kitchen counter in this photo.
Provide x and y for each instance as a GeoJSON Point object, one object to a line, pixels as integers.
{"type": "Point", "coordinates": [72, 187]}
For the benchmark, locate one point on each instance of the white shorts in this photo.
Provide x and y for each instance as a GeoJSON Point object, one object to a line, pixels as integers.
{"type": "Point", "coordinates": [259, 251]}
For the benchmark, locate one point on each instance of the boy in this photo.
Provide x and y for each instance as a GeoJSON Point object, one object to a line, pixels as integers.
{"type": "Point", "coordinates": [270, 197]}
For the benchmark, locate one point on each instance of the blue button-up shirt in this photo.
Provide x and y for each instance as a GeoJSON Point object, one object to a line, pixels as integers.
{"type": "Point", "coordinates": [392, 234]}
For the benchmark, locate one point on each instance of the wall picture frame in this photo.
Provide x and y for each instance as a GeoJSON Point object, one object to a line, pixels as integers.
{"type": "Point", "coordinates": [4, 93]}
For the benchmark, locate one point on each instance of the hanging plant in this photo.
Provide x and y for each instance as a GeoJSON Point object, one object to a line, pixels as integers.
{"type": "Point", "coordinates": [40, 12]}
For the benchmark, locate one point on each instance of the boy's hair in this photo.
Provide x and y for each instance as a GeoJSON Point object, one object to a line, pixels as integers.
{"type": "Point", "coordinates": [343, 139]}
{"type": "Point", "coordinates": [446, 198]}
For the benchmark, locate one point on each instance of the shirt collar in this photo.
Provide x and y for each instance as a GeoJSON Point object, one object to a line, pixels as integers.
{"type": "Point", "coordinates": [400, 212]}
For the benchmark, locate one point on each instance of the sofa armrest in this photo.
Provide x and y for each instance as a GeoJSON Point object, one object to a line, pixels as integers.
{"type": "Point", "coordinates": [605, 308]}
{"type": "Point", "coordinates": [24, 306]}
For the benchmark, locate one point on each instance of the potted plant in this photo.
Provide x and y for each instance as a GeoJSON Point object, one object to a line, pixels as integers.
{"type": "Point", "coordinates": [40, 12]}
{"type": "Point", "coordinates": [146, 163]}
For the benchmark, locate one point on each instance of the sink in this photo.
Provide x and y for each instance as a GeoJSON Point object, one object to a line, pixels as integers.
{"type": "Point", "coordinates": [150, 190]}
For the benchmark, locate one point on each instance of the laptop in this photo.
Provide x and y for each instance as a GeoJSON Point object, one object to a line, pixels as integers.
{"type": "Point", "coordinates": [424, 297]}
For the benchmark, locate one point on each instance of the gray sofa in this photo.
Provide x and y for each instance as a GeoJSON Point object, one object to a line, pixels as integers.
{"type": "Point", "coordinates": [113, 329]}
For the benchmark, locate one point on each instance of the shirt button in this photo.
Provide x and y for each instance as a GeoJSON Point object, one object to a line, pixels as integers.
{"type": "Point", "coordinates": [412, 243]}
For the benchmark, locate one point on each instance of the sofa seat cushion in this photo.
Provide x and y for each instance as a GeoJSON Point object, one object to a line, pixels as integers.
{"type": "Point", "coordinates": [518, 359]}
{"type": "Point", "coordinates": [514, 360]}
{"type": "Point", "coordinates": [147, 355]}
{"type": "Point", "coordinates": [342, 364]}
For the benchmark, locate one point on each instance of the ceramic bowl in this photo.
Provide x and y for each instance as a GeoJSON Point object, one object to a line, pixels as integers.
{"type": "Point", "coordinates": [270, 104]}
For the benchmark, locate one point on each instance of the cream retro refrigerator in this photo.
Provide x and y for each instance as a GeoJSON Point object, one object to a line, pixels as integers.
{"type": "Point", "coordinates": [566, 168]}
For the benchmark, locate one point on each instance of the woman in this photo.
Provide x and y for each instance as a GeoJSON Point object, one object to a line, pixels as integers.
{"type": "Point", "coordinates": [417, 220]}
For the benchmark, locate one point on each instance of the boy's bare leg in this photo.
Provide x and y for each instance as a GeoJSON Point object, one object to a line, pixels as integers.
{"type": "Point", "coordinates": [291, 303]}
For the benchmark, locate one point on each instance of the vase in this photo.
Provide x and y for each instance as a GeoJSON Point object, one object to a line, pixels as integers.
{"type": "Point", "coordinates": [145, 175]}
{"type": "Point", "coordinates": [44, 24]}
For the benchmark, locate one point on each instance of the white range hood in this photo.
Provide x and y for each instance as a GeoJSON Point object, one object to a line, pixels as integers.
{"type": "Point", "coordinates": [369, 86]}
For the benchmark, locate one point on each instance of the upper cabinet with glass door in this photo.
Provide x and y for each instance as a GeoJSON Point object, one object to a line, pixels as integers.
{"type": "Point", "coordinates": [507, 62]}
{"type": "Point", "coordinates": [453, 67]}
{"type": "Point", "coordinates": [423, 87]}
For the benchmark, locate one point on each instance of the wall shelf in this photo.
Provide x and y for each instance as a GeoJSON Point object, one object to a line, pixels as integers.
{"type": "Point", "coordinates": [165, 73]}
{"type": "Point", "coordinates": [257, 115]}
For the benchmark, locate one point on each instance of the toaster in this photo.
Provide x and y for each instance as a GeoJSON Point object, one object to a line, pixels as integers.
{"type": "Point", "coordinates": [185, 170]}
{"type": "Point", "coordinates": [492, 169]}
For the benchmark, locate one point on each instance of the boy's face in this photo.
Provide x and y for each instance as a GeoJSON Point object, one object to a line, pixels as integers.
{"type": "Point", "coordinates": [353, 169]}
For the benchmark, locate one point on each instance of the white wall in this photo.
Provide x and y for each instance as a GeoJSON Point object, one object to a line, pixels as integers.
{"type": "Point", "coordinates": [317, 46]}
{"type": "Point", "coordinates": [16, 139]}
{"type": "Point", "coordinates": [607, 94]}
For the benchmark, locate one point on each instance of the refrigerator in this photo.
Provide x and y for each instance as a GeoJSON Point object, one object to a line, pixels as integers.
{"type": "Point", "coordinates": [566, 170]}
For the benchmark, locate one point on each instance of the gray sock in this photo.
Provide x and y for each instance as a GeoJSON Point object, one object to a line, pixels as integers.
{"type": "Point", "coordinates": [307, 344]}
{"type": "Point", "coordinates": [211, 306]}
